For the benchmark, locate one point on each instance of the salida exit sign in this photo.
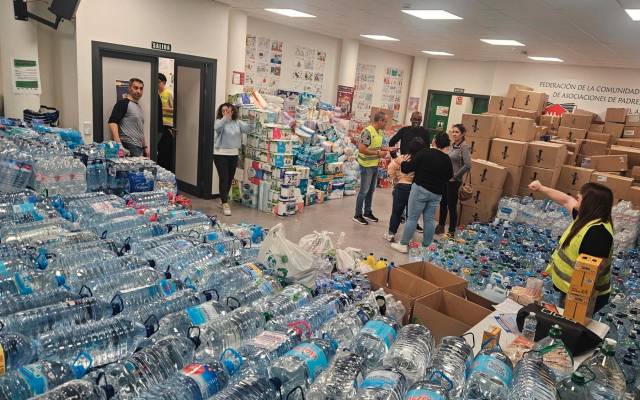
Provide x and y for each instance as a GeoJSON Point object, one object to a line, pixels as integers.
{"type": "Point", "coordinates": [161, 46]}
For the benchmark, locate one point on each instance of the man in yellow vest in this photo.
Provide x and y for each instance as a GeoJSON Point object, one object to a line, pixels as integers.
{"type": "Point", "coordinates": [166, 142]}
{"type": "Point", "coordinates": [370, 151]}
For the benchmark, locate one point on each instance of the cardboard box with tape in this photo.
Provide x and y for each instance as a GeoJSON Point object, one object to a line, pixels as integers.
{"type": "Point", "coordinates": [513, 180]}
{"type": "Point", "coordinates": [524, 191]}
{"type": "Point", "coordinates": [572, 178]}
{"type": "Point", "coordinates": [478, 147]}
{"type": "Point", "coordinates": [628, 142]}
{"type": "Point", "coordinates": [500, 104]}
{"type": "Point", "coordinates": [580, 301]}
{"type": "Point", "coordinates": [600, 137]}
{"type": "Point", "coordinates": [515, 87]}
{"type": "Point", "coordinates": [520, 113]}
{"type": "Point", "coordinates": [530, 100]}
{"type": "Point", "coordinates": [614, 129]}
{"type": "Point", "coordinates": [514, 128]}
{"type": "Point", "coordinates": [619, 185]}
{"type": "Point", "coordinates": [571, 134]}
{"type": "Point", "coordinates": [633, 195]}
{"type": "Point", "coordinates": [635, 174]}
{"type": "Point", "coordinates": [588, 148]}
{"type": "Point", "coordinates": [609, 163]}
{"type": "Point", "coordinates": [598, 128]}
{"type": "Point", "coordinates": [550, 121]}
{"type": "Point", "coordinates": [479, 125]}
{"type": "Point", "coordinates": [509, 152]}
{"type": "Point", "coordinates": [631, 132]}
{"type": "Point", "coordinates": [470, 214]}
{"type": "Point", "coordinates": [487, 174]}
{"type": "Point", "coordinates": [633, 154]}
{"type": "Point", "coordinates": [484, 198]}
{"type": "Point", "coordinates": [616, 115]}
{"type": "Point", "coordinates": [437, 276]}
{"type": "Point", "coordinates": [546, 155]}
{"type": "Point", "coordinates": [632, 120]}
{"type": "Point", "coordinates": [548, 177]}
{"type": "Point", "coordinates": [580, 121]}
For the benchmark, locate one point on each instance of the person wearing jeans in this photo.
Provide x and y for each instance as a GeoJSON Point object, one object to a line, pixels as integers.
{"type": "Point", "coordinates": [461, 160]}
{"type": "Point", "coordinates": [433, 169]}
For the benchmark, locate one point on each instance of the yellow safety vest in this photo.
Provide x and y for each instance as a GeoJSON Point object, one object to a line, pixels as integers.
{"type": "Point", "coordinates": [167, 117]}
{"type": "Point", "coordinates": [376, 142]}
{"type": "Point", "coordinates": [563, 260]}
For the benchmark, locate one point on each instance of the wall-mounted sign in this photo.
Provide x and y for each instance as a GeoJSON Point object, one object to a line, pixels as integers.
{"type": "Point", "coordinates": [25, 76]}
{"type": "Point", "coordinates": [161, 46]}
{"type": "Point", "coordinates": [442, 111]}
{"type": "Point", "coordinates": [458, 90]}
{"type": "Point", "coordinates": [237, 78]}
{"type": "Point", "coordinates": [459, 100]}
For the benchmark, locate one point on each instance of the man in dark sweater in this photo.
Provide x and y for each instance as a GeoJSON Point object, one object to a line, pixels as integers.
{"type": "Point", "coordinates": [406, 134]}
{"type": "Point", "coordinates": [433, 169]}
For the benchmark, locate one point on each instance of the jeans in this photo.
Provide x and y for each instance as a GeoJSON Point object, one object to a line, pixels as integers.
{"type": "Point", "coordinates": [421, 202]}
{"type": "Point", "coordinates": [368, 182]}
{"type": "Point", "coordinates": [450, 201]}
{"type": "Point", "coordinates": [226, 167]}
{"type": "Point", "coordinates": [400, 200]}
{"type": "Point", "coordinates": [134, 151]}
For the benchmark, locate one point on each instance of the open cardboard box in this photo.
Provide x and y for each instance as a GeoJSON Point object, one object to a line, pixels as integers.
{"type": "Point", "coordinates": [402, 285]}
{"type": "Point", "coordinates": [446, 314]}
{"type": "Point", "coordinates": [437, 276]}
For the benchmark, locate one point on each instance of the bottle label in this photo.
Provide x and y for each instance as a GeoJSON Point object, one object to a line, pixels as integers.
{"type": "Point", "coordinates": [34, 378]}
{"type": "Point", "coordinates": [204, 377]}
{"type": "Point", "coordinates": [423, 394]}
{"type": "Point", "coordinates": [167, 287]}
{"type": "Point", "coordinates": [201, 313]}
{"type": "Point", "coordinates": [269, 340]}
{"type": "Point", "coordinates": [2, 367]}
{"type": "Point", "coordinates": [382, 331]}
{"type": "Point", "coordinates": [492, 367]}
{"type": "Point", "coordinates": [381, 380]}
{"type": "Point", "coordinates": [252, 270]}
{"type": "Point", "coordinates": [22, 284]}
{"type": "Point", "coordinates": [313, 356]}
{"type": "Point", "coordinates": [3, 270]}
{"type": "Point", "coordinates": [265, 287]}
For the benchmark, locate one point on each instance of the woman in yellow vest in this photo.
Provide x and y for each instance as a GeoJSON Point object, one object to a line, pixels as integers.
{"type": "Point", "coordinates": [591, 232]}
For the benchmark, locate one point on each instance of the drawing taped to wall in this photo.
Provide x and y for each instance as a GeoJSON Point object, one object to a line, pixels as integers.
{"type": "Point", "coordinates": [392, 90]}
{"type": "Point", "coordinates": [363, 94]}
{"type": "Point", "coordinates": [263, 64]}
{"type": "Point", "coordinates": [308, 70]}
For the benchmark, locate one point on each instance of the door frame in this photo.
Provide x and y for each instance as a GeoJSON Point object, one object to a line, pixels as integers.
{"type": "Point", "coordinates": [99, 50]}
{"type": "Point", "coordinates": [431, 92]}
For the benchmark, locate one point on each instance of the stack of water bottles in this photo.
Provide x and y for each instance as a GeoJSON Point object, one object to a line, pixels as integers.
{"type": "Point", "coordinates": [626, 221]}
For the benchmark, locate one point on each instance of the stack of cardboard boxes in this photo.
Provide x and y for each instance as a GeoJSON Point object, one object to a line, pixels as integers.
{"type": "Point", "coordinates": [581, 298]}
{"type": "Point", "coordinates": [544, 163]}
{"type": "Point", "coordinates": [487, 180]}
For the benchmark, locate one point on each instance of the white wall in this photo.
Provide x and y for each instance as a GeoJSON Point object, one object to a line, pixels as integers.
{"type": "Point", "coordinates": [472, 76]}
{"type": "Point", "coordinates": [383, 59]}
{"type": "Point", "coordinates": [292, 38]}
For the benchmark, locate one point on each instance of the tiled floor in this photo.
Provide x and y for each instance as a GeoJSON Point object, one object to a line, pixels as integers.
{"type": "Point", "coordinates": [333, 216]}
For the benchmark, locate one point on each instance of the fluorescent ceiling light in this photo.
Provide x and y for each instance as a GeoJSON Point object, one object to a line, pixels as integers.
{"type": "Point", "coordinates": [634, 13]}
{"type": "Point", "coordinates": [431, 14]}
{"type": "Point", "coordinates": [437, 53]}
{"type": "Point", "coordinates": [380, 37]}
{"type": "Point", "coordinates": [288, 12]}
{"type": "Point", "coordinates": [554, 59]}
{"type": "Point", "coordinates": [501, 42]}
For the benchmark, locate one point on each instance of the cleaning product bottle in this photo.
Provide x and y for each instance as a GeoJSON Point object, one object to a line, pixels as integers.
{"type": "Point", "coordinates": [371, 260]}
{"type": "Point", "coordinates": [380, 264]}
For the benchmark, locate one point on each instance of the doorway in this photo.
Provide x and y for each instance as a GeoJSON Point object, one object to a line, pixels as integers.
{"type": "Point", "coordinates": [193, 81]}
{"type": "Point", "coordinates": [445, 109]}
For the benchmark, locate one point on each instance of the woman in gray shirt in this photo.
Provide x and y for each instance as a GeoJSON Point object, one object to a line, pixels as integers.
{"type": "Point", "coordinates": [461, 161]}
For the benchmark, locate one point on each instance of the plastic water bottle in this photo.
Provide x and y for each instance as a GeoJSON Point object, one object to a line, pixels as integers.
{"type": "Point", "coordinates": [248, 296]}
{"type": "Point", "coordinates": [453, 359]}
{"type": "Point", "coordinates": [195, 381]}
{"type": "Point", "coordinates": [609, 382]}
{"type": "Point", "coordinates": [382, 384]}
{"type": "Point", "coordinates": [529, 326]}
{"type": "Point", "coordinates": [415, 253]}
{"type": "Point", "coordinates": [80, 274]}
{"type": "Point", "coordinates": [411, 352]}
{"type": "Point", "coordinates": [340, 380]}
{"type": "Point", "coordinates": [136, 297]}
{"type": "Point", "coordinates": [553, 348]}
{"type": "Point", "coordinates": [344, 327]}
{"type": "Point", "coordinates": [490, 376]}
{"type": "Point", "coordinates": [532, 379]}
{"type": "Point", "coordinates": [54, 316]}
{"type": "Point", "coordinates": [375, 339]}
{"type": "Point", "coordinates": [17, 350]}
{"type": "Point", "coordinates": [13, 304]}
{"type": "Point", "coordinates": [107, 286]}
{"type": "Point", "coordinates": [34, 379]}
{"type": "Point", "coordinates": [76, 389]}
{"type": "Point", "coordinates": [291, 298]}
{"type": "Point", "coordinates": [573, 387]}
{"type": "Point", "coordinates": [229, 331]}
{"type": "Point", "coordinates": [298, 368]}
{"type": "Point", "coordinates": [437, 387]}
{"type": "Point", "coordinates": [178, 323]}
{"type": "Point", "coordinates": [164, 306]}
{"type": "Point", "coordinates": [250, 387]}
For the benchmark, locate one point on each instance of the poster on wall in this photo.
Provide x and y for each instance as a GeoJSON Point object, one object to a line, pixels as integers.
{"type": "Point", "coordinates": [413, 105]}
{"type": "Point", "coordinates": [363, 93]}
{"type": "Point", "coordinates": [263, 64]}
{"type": "Point", "coordinates": [345, 100]}
{"type": "Point", "coordinates": [392, 90]}
{"type": "Point", "coordinates": [122, 88]}
{"type": "Point", "coordinates": [307, 71]}
{"type": "Point", "coordinates": [25, 76]}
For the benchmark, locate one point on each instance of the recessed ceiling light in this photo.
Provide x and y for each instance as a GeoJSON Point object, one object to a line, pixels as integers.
{"type": "Point", "coordinates": [501, 42]}
{"type": "Point", "coordinates": [553, 59]}
{"type": "Point", "coordinates": [431, 14]}
{"type": "Point", "coordinates": [380, 37]}
{"type": "Point", "coordinates": [288, 12]}
{"type": "Point", "coordinates": [634, 13]}
{"type": "Point", "coordinates": [437, 53]}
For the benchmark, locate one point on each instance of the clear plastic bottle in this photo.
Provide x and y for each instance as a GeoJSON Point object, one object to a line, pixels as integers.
{"type": "Point", "coordinates": [411, 352]}
{"type": "Point", "coordinates": [529, 326]}
{"type": "Point", "coordinates": [196, 381]}
{"type": "Point", "coordinates": [453, 358]}
{"type": "Point", "coordinates": [574, 387]}
{"type": "Point", "coordinates": [250, 387]}
{"type": "Point", "coordinates": [532, 379]}
{"type": "Point", "coordinates": [382, 384]}
{"type": "Point", "coordinates": [76, 389]}
{"type": "Point", "coordinates": [17, 350]}
{"type": "Point", "coordinates": [609, 382]}
{"type": "Point", "coordinates": [344, 327]}
{"type": "Point", "coordinates": [374, 340]}
{"type": "Point", "coordinates": [340, 381]}
{"type": "Point", "coordinates": [34, 379]}
{"type": "Point", "coordinates": [437, 387]}
{"type": "Point", "coordinates": [178, 323]}
{"type": "Point", "coordinates": [229, 331]}
{"type": "Point", "coordinates": [13, 304]}
{"type": "Point", "coordinates": [555, 353]}
{"type": "Point", "coordinates": [490, 376]}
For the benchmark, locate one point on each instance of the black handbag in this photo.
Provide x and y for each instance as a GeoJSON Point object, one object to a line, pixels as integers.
{"type": "Point", "coordinates": [577, 338]}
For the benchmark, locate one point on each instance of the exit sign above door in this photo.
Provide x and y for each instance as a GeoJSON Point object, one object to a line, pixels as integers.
{"type": "Point", "coordinates": [161, 46]}
{"type": "Point", "coordinates": [458, 90]}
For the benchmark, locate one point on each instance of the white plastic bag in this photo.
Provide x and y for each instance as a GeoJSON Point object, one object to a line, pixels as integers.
{"type": "Point", "coordinates": [279, 252]}
{"type": "Point", "coordinates": [349, 259]}
{"type": "Point", "coordinates": [317, 243]}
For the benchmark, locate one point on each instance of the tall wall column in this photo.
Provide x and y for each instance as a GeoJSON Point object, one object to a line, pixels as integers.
{"type": "Point", "coordinates": [236, 48]}
{"type": "Point", "coordinates": [348, 62]}
{"type": "Point", "coordinates": [416, 86]}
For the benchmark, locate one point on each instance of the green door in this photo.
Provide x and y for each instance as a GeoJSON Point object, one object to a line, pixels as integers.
{"type": "Point", "coordinates": [480, 105]}
{"type": "Point", "coordinates": [437, 113]}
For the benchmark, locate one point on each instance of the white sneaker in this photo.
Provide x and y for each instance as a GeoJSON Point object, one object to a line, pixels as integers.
{"type": "Point", "coordinates": [402, 248]}
{"type": "Point", "coordinates": [226, 210]}
{"type": "Point", "coordinates": [389, 237]}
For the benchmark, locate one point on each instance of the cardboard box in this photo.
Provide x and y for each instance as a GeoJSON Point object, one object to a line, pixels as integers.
{"type": "Point", "coordinates": [616, 115]}
{"type": "Point", "coordinates": [570, 192]}
{"type": "Point", "coordinates": [484, 198]}
{"type": "Point", "coordinates": [610, 163]}
{"type": "Point", "coordinates": [631, 132]}
{"type": "Point", "coordinates": [515, 87]}
{"type": "Point", "coordinates": [514, 128]}
{"type": "Point", "coordinates": [437, 276]}
{"type": "Point", "coordinates": [546, 155]}
{"type": "Point", "coordinates": [548, 177]}
{"type": "Point", "coordinates": [479, 125]}
{"type": "Point", "coordinates": [513, 180]}
{"type": "Point", "coordinates": [572, 178]}
{"type": "Point", "coordinates": [487, 174]}
{"type": "Point", "coordinates": [600, 137]}
{"type": "Point", "coordinates": [530, 100]}
{"type": "Point", "coordinates": [579, 308]}
{"type": "Point", "coordinates": [479, 300]}
{"type": "Point", "coordinates": [446, 314]}
{"type": "Point", "coordinates": [478, 147]}
{"type": "Point", "coordinates": [550, 121]}
{"type": "Point", "coordinates": [571, 146]}
{"type": "Point", "coordinates": [632, 120]}
{"type": "Point", "coordinates": [470, 214]}
{"type": "Point", "coordinates": [628, 142]}
{"type": "Point", "coordinates": [599, 128]}
{"type": "Point", "coordinates": [585, 273]}
{"type": "Point", "coordinates": [500, 104]}
{"type": "Point", "coordinates": [520, 113]}
{"type": "Point", "coordinates": [571, 158]}
{"type": "Point", "coordinates": [635, 173]}
{"type": "Point", "coordinates": [589, 147]}
{"type": "Point", "coordinates": [524, 191]}
{"type": "Point", "coordinates": [633, 195]}
{"type": "Point", "coordinates": [633, 154]}
{"type": "Point", "coordinates": [402, 285]}
{"type": "Point", "coordinates": [571, 134]}
{"type": "Point", "coordinates": [579, 121]}
{"type": "Point", "coordinates": [619, 185]}
{"type": "Point", "coordinates": [508, 152]}
{"type": "Point", "coordinates": [614, 129]}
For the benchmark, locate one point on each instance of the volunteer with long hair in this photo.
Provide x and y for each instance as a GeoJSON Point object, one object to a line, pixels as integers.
{"type": "Point", "coordinates": [591, 232]}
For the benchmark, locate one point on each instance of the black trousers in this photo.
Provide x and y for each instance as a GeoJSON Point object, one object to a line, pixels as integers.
{"type": "Point", "coordinates": [450, 202]}
{"type": "Point", "coordinates": [165, 149]}
{"type": "Point", "coordinates": [226, 167]}
{"type": "Point", "coordinates": [400, 200]}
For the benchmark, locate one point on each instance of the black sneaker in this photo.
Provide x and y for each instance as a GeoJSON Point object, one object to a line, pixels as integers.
{"type": "Point", "coordinates": [419, 228]}
{"type": "Point", "coordinates": [371, 218]}
{"type": "Point", "coordinates": [360, 220]}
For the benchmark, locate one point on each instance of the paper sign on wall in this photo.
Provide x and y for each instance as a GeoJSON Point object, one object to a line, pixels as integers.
{"type": "Point", "coordinates": [25, 76]}
{"type": "Point", "coordinates": [458, 100]}
{"type": "Point", "coordinates": [237, 78]}
{"type": "Point", "coordinates": [414, 105]}
{"type": "Point", "coordinates": [442, 111]}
